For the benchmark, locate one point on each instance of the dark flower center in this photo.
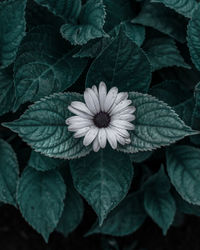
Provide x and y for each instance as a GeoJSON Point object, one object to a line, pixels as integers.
{"type": "Point", "coordinates": [101, 120]}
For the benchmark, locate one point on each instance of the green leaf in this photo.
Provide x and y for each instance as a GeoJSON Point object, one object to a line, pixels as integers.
{"type": "Point", "coordinates": [44, 66]}
{"type": "Point", "coordinates": [105, 179]}
{"type": "Point", "coordinates": [183, 166]}
{"type": "Point", "coordinates": [40, 198]}
{"type": "Point", "coordinates": [162, 52]}
{"type": "Point", "coordinates": [156, 125]}
{"type": "Point", "coordinates": [7, 91]}
{"type": "Point", "coordinates": [9, 173]}
{"type": "Point", "coordinates": [161, 207]}
{"type": "Point", "coordinates": [43, 163]}
{"type": "Point", "coordinates": [67, 9]}
{"type": "Point", "coordinates": [193, 37]}
{"type": "Point", "coordinates": [92, 19]}
{"type": "Point", "coordinates": [117, 11]}
{"type": "Point", "coordinates": [195, 120]}
{"type": "Point", "coordinates": [13, 25]}
{"type": "Point", "coordinates": [124, 219]}
{"type": "Point", "coordinates": [73, 210]}
{"type": "Point", "coordinates": [124, 65]}
{"type": "Point", "coordinates": [184, 7]}
{"type": "Point", "coordinates": [43, 127]}
{"type": "Point", "coordinates": [140, 156]}
{"type": "Point", "coordinates": [163, 19]}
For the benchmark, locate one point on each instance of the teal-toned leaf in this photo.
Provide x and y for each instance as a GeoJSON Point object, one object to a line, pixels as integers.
{"type": "Point", "coordinates": [12, 30]}
{"type": "Point", "coordinates": [43, 127]}
{"type": "Point", "coordinates": [44, 66]}
{"type": "Point", "coordinates": [161, 207]}
{"type": "Point", "coordinates": [117, 11]}
{"type": "Point", "coordinates": [156, 125]}
{"type": "Point", "coordinates": [122, 64]}
{"type": "Point", "coordinates": [43, 163]}
{"type": "Point", "coordinates": [195, 120]}
{"type": "Point", "coordinates": [69, 10]}
{"type": "Point", "coordinates": [7, 91]}
{"type": "Point", "coordinates": [184, 7]}
{"type": "Point", "coordinates": [9, 173]}
{"type": "Point", "coordinates": [40, 198]}
{"type": "Point", "coordinates": [162, 52]}
{"type": "Point", "coordinates": [193, 37]}
{"type": "Point", "coordinates": [135, 32]}
{"type": "Point", "coordinates": [73, 209]}
{"type": "Point", "coordinates": [124, 219]}
{"type": "Point", "coordinates": [140, 156]}
{"type": "Point", "coordinates": [163, 19]}
{"type": "Point", "coordinates": [105, 179]}
{"type": "Point", "coordinates": [183, 166]}
{"type": "Point", "coordinates": [92, 19]}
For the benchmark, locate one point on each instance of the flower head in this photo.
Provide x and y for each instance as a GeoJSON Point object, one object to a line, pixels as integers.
{"type": "Point", "coordinates": [104, 116]}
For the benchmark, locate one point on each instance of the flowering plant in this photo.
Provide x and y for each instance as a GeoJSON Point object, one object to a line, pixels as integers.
{"type": "Point", "coordinates": [109, 94]}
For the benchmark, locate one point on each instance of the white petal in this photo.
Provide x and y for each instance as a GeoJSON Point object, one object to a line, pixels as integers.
{"type": "Point", "coordinates": [96, 145]}
{"type": "Point", "coordinates": [102, 94]}
{"type": "Point", "coordinates": [79, 113]}
{"type": "Point", "coordinates": [81, 106]}
{"type": "Point", "coordinates": [121, 139]}
{"type": "Point", "coordinates": [125, 117]}
{"type": "Point", "coordinates": [89, 102]}
{"type": "Point", "coordinates": [102, 137]}
{"type": "Point", "coordinates": [121, 96]}
{"type": "Point", "coordinates": [122, 124]}
{"type": "Point", "coordinates": [90, 136]}
{"type": "Point", "coordinates": [75, 119]}
{"type": "Point", "coordinates": [110, 98]}
{"type": "Point", "coordinates": [128, 140]}
{"type": "Point", "coordinates": [95, 100]}
{"type": "Point", "coordinates": [81, 132]}
{"type": "Point", "coordinates": [120, 107]}
{"type": "Point", "coordinates": [128, 110]}
{"type": "Point", "coordinates": [120, 131]}
{"type": "Point", "coordinates": [75, 126]}
{"type": "Point", "coordinates": [94, 88]}
{"type": "Point", "coordinates": [111, 136]}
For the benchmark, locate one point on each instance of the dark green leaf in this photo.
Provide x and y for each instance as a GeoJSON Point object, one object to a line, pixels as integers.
{"type": "Point", "coordinates": [13, 25]}
{"type": "Point", "coordinates": [9, 173]}
{"type": "Point", "coordinates": [40, 197]}
{"type": "Point", "coordinates": [184, 7]}
{"type": "Point", "coordinates": [135, 32]}
{"type": "Point", "coordinates": [43, 163]}
{"type": "Point", "coordinates": [122, 64]}
{"type": "Point", "coordinates": [163, 19]}
{"type": "Point", "coordinates": [183, 166]}
{"type": "Point", "coordinates": [196, 115]}
{"type": "Point", "coordinates": [43, 127]}
{"type": "Point", "coordinates": [92, 19]}
{"type": "Point", "coordinates": [156, 125]}
{"type": "Point", "coordinates": [43, 66]}
{"type": "Point", "coordinates": [162, 52]}
{"type": "Point", "coordinates": [140, 156]}
{"type": "Point", "coordinates": [124, 219]}
{"type": "Point", "coordinates": [105, 179]}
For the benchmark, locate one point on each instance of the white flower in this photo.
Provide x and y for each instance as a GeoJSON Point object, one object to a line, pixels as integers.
{"type": "Point", "coordinates": [104, 116]}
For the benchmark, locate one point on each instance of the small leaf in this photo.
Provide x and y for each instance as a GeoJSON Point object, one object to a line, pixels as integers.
{"type": "Point", "coordinates": [184, 7]}
{"type": "Point", "coordinates": [193, 37]}
{"type": "Point", "coordinates": [13, 25]}
{"type": "Point", "coordinates": [43, 163]}
{"type": "Point", "coordinates": [67, 9]}
{"type": "Point", "coordinates": [37, 73]}
{"type": "Point", "coordinates": [40, 197]}
{"type": "Point", "coordinates": [43, 127]}
{"type": "Point", "coordinates": [7, 91]}
{"type": "Point", "coordinates": [161, 207]}
{"type": "Point", "coordinates": [183, 166]}
{"type": "Point", "coordinates": [195, 119]}
{"type": "Point", "coordinates": [105, 179]}
{"type": "Point", "coordinates": [92, 19]}
{"type": "Point", "coordinates": [163, 19]}
{"type": "Point", "coordinates": [124, 219]}
{"type": "Point", "coordinates": [9, 173]}
{"type": "Point", "coordinates": [162, 52]}
{"type": "Point", "coordinates": [156, 125]}
{"type": "Point", "coordinates": [124, 65]}
{"type": "Point", "coordinates": [73, 210]}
